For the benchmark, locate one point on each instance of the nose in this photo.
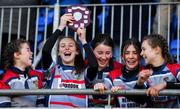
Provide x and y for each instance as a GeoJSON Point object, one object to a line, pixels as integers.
{"type": "Point", "coordinates": [131, 55]}
{"type": "Point", "coordinates": [141, 53]}
{"type": "Point", "coordinates": [67, 47]}
{"type": "Point", "coordinates": [103, 56]}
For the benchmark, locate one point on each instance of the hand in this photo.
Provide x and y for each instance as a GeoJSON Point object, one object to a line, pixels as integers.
{"type": "Point", "coordinates": [99, 87]}
{"type": "Point", "coordinates": [154, 90]}
{"type": "Point", "coordinates": [81, 32]}
{"type": "Point", "coordinates": [143, 76]}
{"type": "Point", "coordinates": [65, 19]}
{"type": "Point", "coordinates": [116, 88]}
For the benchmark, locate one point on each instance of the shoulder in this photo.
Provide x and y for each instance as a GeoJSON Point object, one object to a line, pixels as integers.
{"type": "Point", "coordinates": [36, 73]}
{"type": "Point", "coordinates": [115, 73]}
{"type": "Point", "coordinates": [9, 75]}
{"type": "Point", "coordinates": [4, 85]}
{"type": "Point", "coordinates": [174, 68]}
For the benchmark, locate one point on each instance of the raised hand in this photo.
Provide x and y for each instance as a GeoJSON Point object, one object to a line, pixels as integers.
{"type": "Point", "coordinates": [65, 19]}
{"type": "Point", "coordinates": [143, 76]}
{"type": "Point", "coordinates": [81, 32]}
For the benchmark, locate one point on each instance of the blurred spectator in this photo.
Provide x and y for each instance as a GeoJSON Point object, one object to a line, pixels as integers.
{"type": "Point", "coordinates": [163, 30]}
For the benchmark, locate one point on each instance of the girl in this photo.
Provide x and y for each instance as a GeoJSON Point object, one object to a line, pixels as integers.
{"type": "Point", "coordinates": [155, 53]}
{"type": "Point", "coordinates": [70, 71]}
{"type": "Point", "coordinates": [18, 75]}
{"type": "Point", "coordinates": [102, 46]}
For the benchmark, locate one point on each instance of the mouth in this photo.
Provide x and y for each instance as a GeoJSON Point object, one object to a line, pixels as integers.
{"type": "Point", "coordinates": [102, 62]}
{"type": "Point", "coordinates": [144, 57]}
{"type": "Point", "coordinates": [31, 58]}
{"type": "Point", "coordinates": [67, 54]}
{"type": "Point", "coordinates": [131, 62]}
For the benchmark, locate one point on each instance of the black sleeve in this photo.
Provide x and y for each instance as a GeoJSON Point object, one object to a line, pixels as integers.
{"type": "Point", "coordinates": [47, 48]}
{"type": "Point", "coordinates": [92, 63]}
{"type": "Point", "coordinates": [173, 85]}
{"type": "Point", "coordinates": [141, 99]}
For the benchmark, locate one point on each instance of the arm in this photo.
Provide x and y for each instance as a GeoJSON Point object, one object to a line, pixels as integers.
{"type": "Point", "coordinates": [92, 62]}
{"type": "Point", "coordinates": [173, 85]}
{"type": "Point", "coordinates": [154, 90]}
{"type": "Point", "coordinates": [46, 52]}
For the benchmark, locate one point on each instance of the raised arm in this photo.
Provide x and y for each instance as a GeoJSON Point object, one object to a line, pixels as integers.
{"type": "Point", "coordinates": [92, 62]}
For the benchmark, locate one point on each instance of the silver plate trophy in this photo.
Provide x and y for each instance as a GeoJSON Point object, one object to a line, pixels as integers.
{"type": "Point", "coordinates": [81, 15]}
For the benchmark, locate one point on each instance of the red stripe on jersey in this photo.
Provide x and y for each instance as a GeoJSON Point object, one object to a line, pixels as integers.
{"type": "Point", "coordinates": [79, 96]}
{"type": "Point", "coordinates": [64, 103]}
{"type": "Point", "coordinates": [57, 76]}
{"type": "Point", "coordinates": [97, 101]}
{"type": "Point", "coordinates": [74, 81]}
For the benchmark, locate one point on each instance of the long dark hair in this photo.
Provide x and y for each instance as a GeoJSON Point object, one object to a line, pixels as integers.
{"type": "Point", "coordinates": [79, 63]}
{"type": "Point", "coordinates": [155, 40]}
{"type": "Point", "coordinates": [102, 39]}
{"type": "Point", "coordinates": [11, 48]}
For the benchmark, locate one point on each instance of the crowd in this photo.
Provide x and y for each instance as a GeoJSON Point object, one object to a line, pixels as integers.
{"type": "Point", "coordinates": [99, 72]}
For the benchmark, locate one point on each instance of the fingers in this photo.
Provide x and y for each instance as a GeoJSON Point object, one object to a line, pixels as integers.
{"type": "Point", "coordinates": [152, 92]}
{"type": "Point", "coordinates": [143, 76]}
{"type": "Point", "coordinates": [81, 32]}
{"type": "Point", "coordinates": [99, 87]}
{"type": "Point", "coordinates": [115, 89]}
{"type": "Point", "coordinates": [68, 17]}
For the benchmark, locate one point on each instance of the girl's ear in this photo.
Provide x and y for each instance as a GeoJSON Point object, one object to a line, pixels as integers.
{"type": "Point", "coordinates": [77, 52]}
{"type": "Point", "coordinates": [16, 55]}
{"type": "Point", "coordinates": [157, 49]}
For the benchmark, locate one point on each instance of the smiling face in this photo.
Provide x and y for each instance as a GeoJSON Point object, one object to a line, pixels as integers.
{"type": "Point", "coordinates": [67, 51]}
{"type": "Point", "coordinates": [103, 54]}
{"type": "Point", "coordinates": [131, 57]}
{"type": "Point", "coordinates": [148, 53]}
{"type": "Point", "coordinates": [23, 58]}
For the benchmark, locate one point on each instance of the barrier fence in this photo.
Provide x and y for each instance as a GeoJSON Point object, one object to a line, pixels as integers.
{"type": "Point", "coordinates": [170, 92]}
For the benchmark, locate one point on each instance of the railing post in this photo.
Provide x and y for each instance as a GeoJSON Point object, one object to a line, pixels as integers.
{"type": "Point", "coordinates": [109, 102]}
{"type": "Point", "coordinates": [56, 16]}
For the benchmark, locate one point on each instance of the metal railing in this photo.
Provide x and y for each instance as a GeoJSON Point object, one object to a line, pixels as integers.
{"type": "Point", "coordinates": [170, 92]}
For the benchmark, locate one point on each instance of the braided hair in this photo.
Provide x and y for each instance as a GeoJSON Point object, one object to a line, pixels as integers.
{"type": "Point", "coordinates": [155, 40]}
